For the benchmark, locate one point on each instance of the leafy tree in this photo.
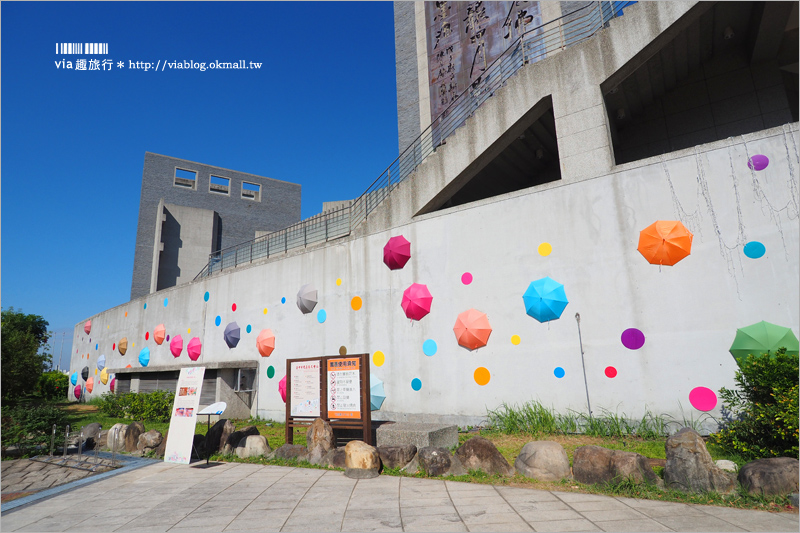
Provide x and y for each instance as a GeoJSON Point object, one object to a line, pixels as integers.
{"type": "Point", "coordinates": [22, 358]}
{"type": "Point", "coordinates": [53, 385]}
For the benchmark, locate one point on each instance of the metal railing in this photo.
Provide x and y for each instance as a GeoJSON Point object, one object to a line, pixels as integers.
{"type": "Point", "coordinates": [534, 45]}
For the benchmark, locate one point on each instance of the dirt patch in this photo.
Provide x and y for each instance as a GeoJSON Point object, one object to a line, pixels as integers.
{"type": "Point", "coordinates": [81, 408]}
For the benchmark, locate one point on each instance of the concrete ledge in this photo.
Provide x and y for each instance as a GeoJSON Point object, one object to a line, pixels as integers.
{"type": "Point", "coordinates": [420, 435]}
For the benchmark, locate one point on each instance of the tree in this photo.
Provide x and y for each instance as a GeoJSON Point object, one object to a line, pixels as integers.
{"type": "Point", "coordinates": [23, 359]}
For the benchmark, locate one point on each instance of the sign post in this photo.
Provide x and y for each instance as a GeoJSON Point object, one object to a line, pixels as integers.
{"type": "Point", "coordinates": [184, 416]}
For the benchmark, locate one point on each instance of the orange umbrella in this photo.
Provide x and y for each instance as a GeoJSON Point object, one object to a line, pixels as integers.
{"type": "Point", "coordinates": [265, 342]}
{"type": "Point", "coordinates": [159, 333]}
{"type": "Point", "coordinates": [472, 329]}
{"type": "Point", "coordinates": [90, 384]}
{"type": "Point", "coordinates": [665, 242]}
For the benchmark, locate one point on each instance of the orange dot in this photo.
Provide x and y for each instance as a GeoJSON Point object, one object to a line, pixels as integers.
{"type": "Point", "coordinates": [126, 313]}
{"type": "Point", "coordinates": [482, 376]}
{"type": "Point", "coordinates": [356, 303]}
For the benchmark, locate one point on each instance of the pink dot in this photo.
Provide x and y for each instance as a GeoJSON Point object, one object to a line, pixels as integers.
{"type": "Point", "coordinates": [466, 278]}
{"type": "Point", "coordinates": [703, 399]}
{"type": "Point", "coordinates": [611, 372]}
{"type": "Point", "coordinates": [233, 307]}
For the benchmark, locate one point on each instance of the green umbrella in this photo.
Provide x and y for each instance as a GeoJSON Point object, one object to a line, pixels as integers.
{"type": "Point", "coordinates": [763, 337]}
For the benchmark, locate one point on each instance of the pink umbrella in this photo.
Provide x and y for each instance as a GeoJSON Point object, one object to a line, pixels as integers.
{"type": "Point", "coordinates": [176, 345]}
{"type": "Point", "coordinates": [193, 349]}
{"type": "Point", "coordinates": [265, 342]}
{"type": "Point", "coordinates": [113, 384]}
{"type": "Point", "coordinates": [397, 252]}
{"type": "Point", "coordinates": [281, 388]}
{"type": "Point", "coordinates": [472, 329]}
{"type": "Point", "coordinates": [87, 327]}
{"type": "Point", "coordinates": [417, 301]}
{"type": "Point", "coordinates": [159, 333]}
{"type": "Point", "coordinates": [90, 385]}
{"type": "Point", "coordinates": [77, 391]}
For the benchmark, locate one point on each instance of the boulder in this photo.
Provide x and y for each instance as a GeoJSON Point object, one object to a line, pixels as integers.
{"type": "Point", "coordinates": [102, 440]}
{"type": "Point", "coordinates": [116, 437]}
{"type": "Point", "coordinates": [397, 456]}
{"type": "Point", "coordinates": [132, 436]}
{"type": "Point", "coordinates": [773, 476]}
{"type": "Point", "coordinates": [292, 451]}
{"type": "Point", "coordinates": [334, 458]}
{"type": "Point", "coordinates": [235, 437]}
{"type": "Point", "coordinates": [218, 434]}
{"type": "Point", "coordinates": [320, 435]}
{"type": "Point", "coordinates": [161, 448]}
{"type": "Point", "coordinates": [479, 453]}
{"type": "Point", "coordinates": [91, 435]}
{"type": "Point", "coordinates": [593, 464]}
{"type": "Point", "coordinates": [434, 461]}
{"type": "Point", "coordinates": [149, 440]}
{"type": "Point", "coordinates": [361, 460]}
{"type": "Point", "coordinates": [728, 466]}
{"type": "Point", "coordinates": [543, 460]}
{"type": "Point", "coordinates": [690, 468]}
{"type": "Point", "coordinates": [253, 446]}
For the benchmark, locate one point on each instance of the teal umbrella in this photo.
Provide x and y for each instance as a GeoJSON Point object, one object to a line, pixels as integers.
{"type": "Point", "coordinates": [763, 337]}
{"type": "Point", "coordinates": [545, 299]}
{"type": "Point", "coordinates": [74, 378]}
{"type": "Point", "coordinates": [376, 393]}
{"type": "Point", "coordinates": [144, 357]}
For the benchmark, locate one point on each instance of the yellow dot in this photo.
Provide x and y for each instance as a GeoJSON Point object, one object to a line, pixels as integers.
{"type": "Point", "coordinates": [356, 302]}
{"type": "Point", "coordinates": [342, 350]}
{"type": "Point", "coordinates": [378, 358]}
{"type": "Point", "coordinates": [545, 249]}
{"type": "Point", "coordinates": [515, 339]}
{"type": "Point", "coordinates": [482, 376]}
{"type": "Point", "coordinates": [107, 327]}
{"type": "Point", "coordinates": [188, 331]}
{"type": "Point", "coordinates": [265, 310]}
{"type": "Point", "coordinates": [95, 371]}
{"type": "Point", "coordinates": [133, 345]}
{"type": "Point", "coordinates": [338, 281]}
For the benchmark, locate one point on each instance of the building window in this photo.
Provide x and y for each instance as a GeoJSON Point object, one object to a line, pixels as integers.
{"type": "Point", "coordinates": [251, 191]}
{"type": "Point", "coordinates": [219, 185]}
{"type": "Point", "coordinates": [185, 178]}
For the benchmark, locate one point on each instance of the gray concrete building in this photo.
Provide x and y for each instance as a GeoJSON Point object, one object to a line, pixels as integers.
{"type": "Point", "coordinates": [188, 210]}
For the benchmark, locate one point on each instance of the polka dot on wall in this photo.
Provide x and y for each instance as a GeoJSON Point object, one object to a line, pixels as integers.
{"type": "Point", "coordinates": [515, 340]}
{"type": "Point", "coordinates": [233, 307]}
{"type": "Point", "coordinates": [271, 372]}
{"type": "Point", "coordinates": [429, 347]}
{"type": "Point", "coordinates": [559, 372]}
{"type": "Point", "coordinates": [322, 316]}
{"type": "Point", "coordinates": [545, 249]}
{"type": "Point", "coordinates": [378, 358]}
{"type": "Point", "coordinates": [147, 335]}
{"type": "Point", "coordinates": [342, 350]}
{"type": "Point", "coordinates": [754, 249]}
{"type": "Point", "coordinates": [611, 372]}
{"type": "Point", "coordinates": [416, 384]}
{"type": "Point", "coordinates": [283, 300]}
{"type": "Point", "coordinates": [206, 296]}
{"type": "Point", "coordinates": [145, 305]}
{"type": "Point", "coordinates": [265, 310]}
{"type": "Point", "coordinates": [703, 398]}
{"type": "Point", "coordinates": [758, 162]}
{"type": "Point", "coordinates": [249, 328]}
{"type": "Point", "coordinates": [218, 320]}
{"type": "Point", "coordinates": [338, 282]}
{"type": "Point", "coordinates": [632, 339]}
{"type": "Point", "coordinates": [166, 301]}
{"type": "Point", "coordinates": [189, 331]}
{"type": "Point", "coordinates": [481, 376]}
{"type": "Point", "coordinates": [126, 313]}
{"type": "Point", "coordinates": [356, 303]}
{"type": "Point", "coordinates": [466, 278]}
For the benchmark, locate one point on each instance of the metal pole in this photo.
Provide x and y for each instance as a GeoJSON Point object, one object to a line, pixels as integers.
{"type": "Point", "coordinates": [52, 440]}
{"type": "Point", "coordinates": [80, 447]}
{"type": "Point", "coordinates": [583, 363]}
{"type": "Point", "coordinates": [66, 436]}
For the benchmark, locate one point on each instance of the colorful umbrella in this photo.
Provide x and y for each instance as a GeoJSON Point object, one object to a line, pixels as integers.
{"type": "Point", "coordinates": [113, 384]}
{"type": "Point", "coordinates": [144, 356]}
{"type": "Point", "coordinates": [231, 334]}
{"type": "Point", "coordinates": [77, 392]}
{"type": "Point", "coordinates": [665, 242]}
{"type": "Point", "coordinates": [307, 298]}
{"type": "Point", "coordinates": [176, 345]}
{"type": "Point", "coordinates": [265, 342]}
{"type": "Point", "coordinates": [397, 252]}
{"type": "Point", "coordinates": [85, 373]}
{"type": "Point", "coordinates": [193, 349]}
{"type": "Point", "coordinates": [472, 329]}
{"type": "Point", "coordinates": [123, 345]}
{"type": "Point", "coordinates": [74, 378]}
{"type": "Point", "coordinates": [101, 362]}
{"type": "Point", "coordinates": [90, 385]}
{"type": "Point", "coordinates": [104, 376]}
{"type": "Point", "coordinates": [763, 337]}
{"type": "Point", "coordinates": [376, 393]}
{"type": "Point", "coordinates": [545, 299]}
{"type": "Point", "coordinates": [159, 334]}
{"type": "Point", "coordinates": [87, 327]}
{"type": "Point", "coordinates": [417, 301]}
{"type": "Point", "coordinates": [282, 388]}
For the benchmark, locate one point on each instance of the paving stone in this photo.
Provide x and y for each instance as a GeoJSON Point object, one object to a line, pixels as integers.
{"type": "Point", "coordinates": [598, 505]}
{"type": "Point", "coordinates": [431, 520]}
{"type": "Point", "coordinates": [612, 514]}
{"type": "Point", "coordinates": [754, 520]}
{"type": "Point", "coordinates": [440, 528]}
{"type": "Point", "coordinates": [632, 525]}
{"type": "Point", "coordinates": [424, 502]}
{"type": "Point", "coordinates": [696, 523]}
{"type": "Point", "coordinates": [415, 510]}
{"type": "Point", "coordinates": [253, 525]}
{"type": "Point", "coordinates": [524, 507]}
{"type": "Point", "coordinates": [478, 510]}
{"type": "Point", "coordinates": [547, 516]}
{"type": "Point", "coordinates": [564, 526]}
{"type": "Point", "coordinates": [505, 527]}
{"type": "Point", "coordinates": [570, 497]}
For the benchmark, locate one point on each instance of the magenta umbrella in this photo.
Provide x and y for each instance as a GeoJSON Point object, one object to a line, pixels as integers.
{"type": "Point", "coordinates": [282, 389]}
{"type": "Point", "coordinates": [176, 345]}
{"type": "Point", "coordinates": [397, 252]}
{"type": "Point", "coordinates": [193, 349]}
{"type": "Point", "coordinates": [417, 301]}
{"type": "Point", "coordinates": [77, 392]}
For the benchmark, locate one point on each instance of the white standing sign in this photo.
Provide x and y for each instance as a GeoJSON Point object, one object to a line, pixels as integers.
{"type": "Point", "coordinates": [184, 416]}
{"type": "Point", "coordinates": [305, 388]}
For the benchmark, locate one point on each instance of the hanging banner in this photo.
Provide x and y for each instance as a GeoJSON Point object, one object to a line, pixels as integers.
{"type": "Point", "coordinates": [344, 392]}
{"type": "Point", "coordinates": [304, 400]}
{"type": "Point", "coordinates": [184, 416]}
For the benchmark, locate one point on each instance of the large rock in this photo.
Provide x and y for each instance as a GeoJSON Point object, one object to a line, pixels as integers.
{"type": "Point", "coordinates": [235, 437]}
{"type": "Point", "coordinates": [397, 456]}
{"type": "Point", "coordinates": [199, 446]}
{"type": "Point", "coordinates": [335, 458]}
{"type": "Point", "coordinates": [292, 451]}
{"type": "Point", "coordinates": [149, 440]}
{"type": "Point", "coordinates": [161, 448]}
{"type": "Point", "coordinates": [116, 437]}
{"type": "Point", "coordinates": [479, 453]}
{"type": "Point", "coordinates": [593, 464]}
{"type": "Point", "coordinates": [132, 436]}
{"type": "Point", "coordinates": [320, 435]}
{"type": "Point", "coordinates": [91, 435]}
{"type": "Point", "coordinates": [253, 446]}
{"type": "Point", "coordinates": [102, 440]}
{"type": "Point", "coordinates": [543, 460]}
{"type": "Point", "coordinates": [435, 461]}
{"type": "Point", "coordinates": [218, 434]}
{"type": "Point", "coordinates": [361, 460]}
{"type": "Point", "coordinates": [774, 476]}
{"type": "Point", "coordinates": [690, 468]}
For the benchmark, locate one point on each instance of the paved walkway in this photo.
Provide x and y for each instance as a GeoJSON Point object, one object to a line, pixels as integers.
{"type": "Point", "coordinates": [242, 497]}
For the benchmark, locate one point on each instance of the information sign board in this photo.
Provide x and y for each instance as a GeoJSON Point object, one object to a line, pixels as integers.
{"type": "Point", "coordinates": [184, 415]}
{"type": "Point", "coordinates": [344, 392]}
{"type": "Point", "coordinates": [305, 388]}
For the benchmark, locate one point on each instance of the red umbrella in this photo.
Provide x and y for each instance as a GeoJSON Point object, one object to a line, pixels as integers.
{"type": "Point", "coordinates": [397, 252]}
{"type": "Point", "coordinates": [417, 301]}
{"type": "Point", "coordinates": [193, 349]}
{"type": "Point", "coordinates": [472, 329]}
{"type": "Point", "coordinates": [87, 327]}
{"type": "Point", "coordinates": [176, 345]}
{"type": "Point", "coordinates": [265, 342]}
{"type": "Point", "coordinates": [281, 388]}
{"type": "Point", "coordinates": [159, 333]}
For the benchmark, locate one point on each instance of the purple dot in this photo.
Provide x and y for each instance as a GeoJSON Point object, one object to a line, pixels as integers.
{"type": "Point", "coordinates": [466, 278]}
{"type": "Point", "coordinates": [758, 162]}
{"type": "Point", "coordinates": [167, 338]}
{"type": "Point", "coordinates": [632, 339]}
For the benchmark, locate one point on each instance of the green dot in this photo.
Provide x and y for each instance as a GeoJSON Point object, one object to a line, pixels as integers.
{"type": "Point", "coordinates": [271, 372]}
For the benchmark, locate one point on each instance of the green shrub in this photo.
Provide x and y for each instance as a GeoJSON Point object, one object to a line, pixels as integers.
{"type": "Point", "coordinates": [53, 385]}
{"type": "Point", "coordinates": [765, 408]}
{"type": "Point", "coordinates": [156, 405]}
{"type": "Point", "coordinates": [28, 426]}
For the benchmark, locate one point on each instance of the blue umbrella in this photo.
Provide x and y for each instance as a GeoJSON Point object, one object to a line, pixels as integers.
{"type": "Point", "coordinates": [231, 334]}
{"type": "Point", "coordinates": [144, 357]}
{"type": "Point", "coordinates": [376, 393]}
{"type": "Point", "coordinates": [545, 299]}
{"type": "Point", "coordinates": [101, 363]}
{"type": "Point", "coordinates": [74, 378]}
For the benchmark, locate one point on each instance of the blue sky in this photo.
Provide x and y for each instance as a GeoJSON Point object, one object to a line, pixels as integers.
{"type": "Point", "coordinates": [321, 111]}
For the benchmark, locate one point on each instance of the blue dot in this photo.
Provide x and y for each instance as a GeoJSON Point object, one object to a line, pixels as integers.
{"type": "Point", "coordinates": [165, 301]}
{"type": "Point", "coordinates": [429, 347]}
{"type": "Point", "coordinates": [283, 300]}
{"type": "Point", "coordinates": [249, 328]}
{"type": "Point", "coordinates": [145, 305]}
{"type": "Point", "coordinates": [754, 249]}
{"type": "Point", "coordinates": [206, 296]}
{"type": "Point", "coordinates": [218, 320]}
{"type": "Point", "coordinates": [96, 346]}
{"type": "Point", "coordinates": [322, 316]}
{"type": "Point", "coordinates": [416, 384]}
{"type": "Point", "coordinates": [559, 372]}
